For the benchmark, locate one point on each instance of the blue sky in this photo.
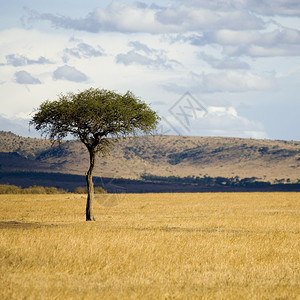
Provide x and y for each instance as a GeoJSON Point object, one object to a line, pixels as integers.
{"type": "Point", "coordinates": [210, 68]}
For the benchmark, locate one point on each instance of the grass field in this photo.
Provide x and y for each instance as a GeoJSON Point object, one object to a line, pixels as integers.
{"type": "Point", "coordinates": [151, 246]}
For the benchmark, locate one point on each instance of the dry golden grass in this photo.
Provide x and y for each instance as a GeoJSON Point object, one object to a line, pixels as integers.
{"type": "Point", "coordinates": [151, 246]}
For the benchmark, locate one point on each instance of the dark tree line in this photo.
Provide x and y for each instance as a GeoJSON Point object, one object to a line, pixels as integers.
{"type": "Point", "coordinates": [209, 181]}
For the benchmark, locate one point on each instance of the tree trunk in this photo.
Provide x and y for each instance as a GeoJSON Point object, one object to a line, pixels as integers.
{"type": "Point", "coordinates": [90, 187]}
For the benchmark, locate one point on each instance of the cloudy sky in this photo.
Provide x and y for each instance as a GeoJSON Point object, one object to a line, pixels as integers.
{"type": "Point", "coordinates": [209, 68]}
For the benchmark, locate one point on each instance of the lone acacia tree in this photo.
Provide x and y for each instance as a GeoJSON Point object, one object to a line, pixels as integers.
{"type": "Point", "coordinates": [96, 117]}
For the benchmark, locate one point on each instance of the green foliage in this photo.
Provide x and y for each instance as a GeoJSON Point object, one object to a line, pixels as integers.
{"type": "Point", "coordinates": [10, 189]}
{"type": "Point", "coordinates": [208, 181]}
{"type": "Point", "coordinates": [99, 190]}
{"type": "Point", "coordinates": [13, 189]}
{"type": "Point", "coordinates": [93, 116]}
{"type": "Point", "coordinates": [279, 181]}
{"type": "Point", "coordinates": [263, 150]}
{"type": "Point", "coordinates": [83, 190]}
{"type": "Point", "coordinates": [128, 151]}
{"type": "Point", "coordinates": [80, 190]}
{"type": "Point", "coordinates": [177, 158]}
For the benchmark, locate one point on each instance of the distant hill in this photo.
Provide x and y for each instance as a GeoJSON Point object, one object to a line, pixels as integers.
{"type": "Point", "coordinates": [182, 156]}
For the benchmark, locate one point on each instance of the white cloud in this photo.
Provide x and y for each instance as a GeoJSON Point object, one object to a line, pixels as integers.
{"type": "Point", "coordinates": [228, 81]}
{"type": "Point", "coordinates": [23, 77]}
{"type": "Point", "coordinates": [224, 120]}
{"type": "Point", "coordinates": [124, 17]}
{"type": "Point", "coordinates": [219, 121]}
{"type": "Point", "coordinates": [221, 111]}
{"type": "Point", "coordinates": [117, 16]}
{"type": "Point", "coordinates": [224, 63]}
{"type": "Point", "coordinates": [279, 42]}
{"type": "Point", "coordinates": [69, 73]}
{"type": "Point", "coordinates": [233, 81]}
{"type": "Point", "coordinates": [263, 7]}
{"type": "Point", "coordinates": [277, 7]}
{"type": "Point", "coordinates": [17, 60]}
{"type": "Point", "coordinates": [184, 18]}
{"type": "Point", "coordinates": [141, 54]}
{"type": "Point", "coordinates": [83, 50]}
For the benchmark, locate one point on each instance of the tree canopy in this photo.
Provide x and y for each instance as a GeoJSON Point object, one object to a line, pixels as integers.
{"type": "Point", "coordinates": [93, 116]}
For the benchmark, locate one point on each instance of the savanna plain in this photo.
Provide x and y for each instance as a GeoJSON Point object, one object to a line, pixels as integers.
{"type": "Point", "coordinates": [150, 246]}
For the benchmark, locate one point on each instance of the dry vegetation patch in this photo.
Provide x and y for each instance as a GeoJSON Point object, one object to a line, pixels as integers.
{"type": "Point", "coordinates": [151, 246]}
